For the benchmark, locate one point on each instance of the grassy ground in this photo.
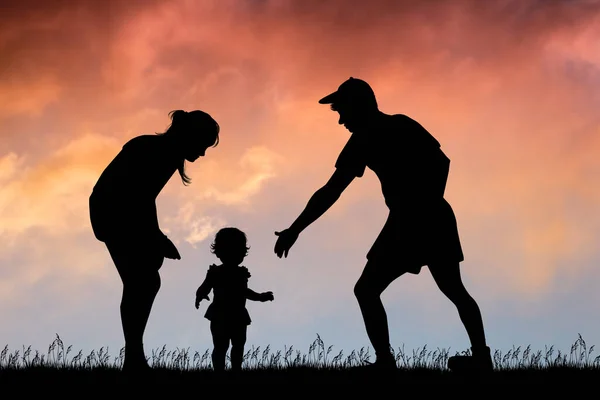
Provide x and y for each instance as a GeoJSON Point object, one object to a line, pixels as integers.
{"type": "Point", "coordinates": [58, 367]}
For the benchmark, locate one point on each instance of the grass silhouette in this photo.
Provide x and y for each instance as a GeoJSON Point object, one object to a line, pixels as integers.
{"type": "Point", "coordinates": [319, 365]}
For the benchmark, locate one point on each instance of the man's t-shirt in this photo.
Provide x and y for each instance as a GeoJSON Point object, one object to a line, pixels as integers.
{"type": "Point", "coordinates": [406, 158]}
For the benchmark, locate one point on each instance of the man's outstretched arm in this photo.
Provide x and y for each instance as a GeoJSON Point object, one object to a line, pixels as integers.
{"type": "Point", "coordinates": [322, 200]}
{"type": "Point", "coordinates": [318, 204]}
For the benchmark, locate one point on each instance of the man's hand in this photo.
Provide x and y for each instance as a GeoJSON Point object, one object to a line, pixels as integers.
{"type": "Point", "coordinates": [285, 241]}
{"type": "Point", "coordinates": [199, 299]}
{"type": "Point", "coordinates": [169, 249]}
{"type": "Point", "coordinates": [267, 296]}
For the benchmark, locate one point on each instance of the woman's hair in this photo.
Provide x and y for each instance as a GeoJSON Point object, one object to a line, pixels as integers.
{"type": "Point", "coordinates": [228, 239]}
{"type": "Point", "coordinates": [186, 121]}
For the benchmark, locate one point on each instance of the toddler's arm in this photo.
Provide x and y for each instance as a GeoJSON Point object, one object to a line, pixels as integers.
{"type": "Point", "coordinates": [252, 295]}
{"type": "Point", "coordinates": [204, 289]}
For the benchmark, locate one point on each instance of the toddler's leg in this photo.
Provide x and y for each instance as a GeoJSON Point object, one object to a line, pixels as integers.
{"type": "Point", "coordinates": [238, 340]}
{"type": "Point", "coordinates": [220, 345]}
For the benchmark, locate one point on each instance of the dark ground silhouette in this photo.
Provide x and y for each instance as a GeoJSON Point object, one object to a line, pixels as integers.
{"type": "Point", "coordinates": [421, 228]}
{"type": "Point", "coordinates": [123, 215]}
{"type": "Point", "coordinates": [184, 369]}
{"type": "Point", "coordinates": [228, 315]}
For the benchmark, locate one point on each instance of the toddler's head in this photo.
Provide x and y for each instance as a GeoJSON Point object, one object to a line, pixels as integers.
{"type": "Point", "coordinates": [230, 246]}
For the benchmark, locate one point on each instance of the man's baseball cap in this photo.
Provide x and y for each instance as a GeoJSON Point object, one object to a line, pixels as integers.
{"type": "Point", "coordinates": [352, 90]}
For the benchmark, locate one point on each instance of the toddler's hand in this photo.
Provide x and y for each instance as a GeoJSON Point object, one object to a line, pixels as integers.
{"type": "Point", "coordinates": [267, 296]}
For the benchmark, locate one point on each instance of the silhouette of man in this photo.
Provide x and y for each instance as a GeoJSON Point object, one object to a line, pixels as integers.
{"type": "Point", "coordinates": [123, 215]}
{"type": "Point", "coordinates": [421, 227]}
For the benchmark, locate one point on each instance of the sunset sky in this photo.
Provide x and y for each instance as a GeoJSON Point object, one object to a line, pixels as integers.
{"type": "Point", "coordinates": [511, 89]}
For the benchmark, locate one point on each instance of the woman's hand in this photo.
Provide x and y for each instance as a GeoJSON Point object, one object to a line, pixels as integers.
{"type": "Point", "coordinates": [169, 250]}
{"type": "Point", "coordinates": [199, 299]}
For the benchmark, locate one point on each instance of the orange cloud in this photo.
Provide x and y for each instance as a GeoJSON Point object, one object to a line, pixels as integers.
{"type": "Point", "coordinates": [29, 98]}
{"type": "Point", "coordinates": [52, 193]}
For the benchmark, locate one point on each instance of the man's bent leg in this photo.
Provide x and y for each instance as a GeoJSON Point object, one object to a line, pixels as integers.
{"type": "Point", "coordinates": [368, 289]}
{"type": "Point", "coordinates": [448, 279]}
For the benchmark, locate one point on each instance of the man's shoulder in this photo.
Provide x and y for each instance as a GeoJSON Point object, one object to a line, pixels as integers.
{"type": "Point", "coordinates": [413, 130]}
{"type": "Point", "coordinates": [403, 120]}
{"type": "Point", "coordinates": [399, 123]}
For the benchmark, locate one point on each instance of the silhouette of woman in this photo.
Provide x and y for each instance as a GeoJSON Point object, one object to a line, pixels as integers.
{"type": "Point", "coordinates": [123, 215]}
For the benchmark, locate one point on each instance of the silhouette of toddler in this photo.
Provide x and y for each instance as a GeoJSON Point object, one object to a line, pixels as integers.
{"type": "Point", "coordinates": [227, 313]}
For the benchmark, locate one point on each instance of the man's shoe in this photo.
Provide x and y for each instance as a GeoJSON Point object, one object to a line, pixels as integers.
{"type": "Point", "coordinates": [383, 363]}
{"type": "Point", "coordinates": [137, 366]}
{"type": "Point", "coordinates": [479, 361]}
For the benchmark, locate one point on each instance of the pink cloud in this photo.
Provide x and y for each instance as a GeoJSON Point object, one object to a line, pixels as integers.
{"type": "Point", "coordinates": [490, 83]}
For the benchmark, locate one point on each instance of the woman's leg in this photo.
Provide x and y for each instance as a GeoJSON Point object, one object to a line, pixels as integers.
{"type": "Point", "coordinates": [139, 271]}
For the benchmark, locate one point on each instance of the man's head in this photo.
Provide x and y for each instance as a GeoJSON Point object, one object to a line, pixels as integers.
{"type": "Point", "coordinates": [355, 101]}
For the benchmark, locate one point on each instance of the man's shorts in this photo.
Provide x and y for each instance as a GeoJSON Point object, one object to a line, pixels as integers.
{"type": "Point", "coordinates": [414, 237]}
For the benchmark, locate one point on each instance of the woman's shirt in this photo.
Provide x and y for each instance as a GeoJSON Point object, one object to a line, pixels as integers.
{"type": "Point", "coordinates": [124, 197]}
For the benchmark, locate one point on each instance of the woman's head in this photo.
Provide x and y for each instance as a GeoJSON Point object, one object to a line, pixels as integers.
{"type": "Point", "coordinates": [193, 132]}
{"type": "Point", "coordinates": [230, 245]}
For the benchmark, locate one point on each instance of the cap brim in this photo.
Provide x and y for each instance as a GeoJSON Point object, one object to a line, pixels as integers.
{"type": "Point", "coordinates": [329, 99]}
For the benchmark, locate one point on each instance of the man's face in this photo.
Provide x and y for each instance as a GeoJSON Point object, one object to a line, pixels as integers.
{"type": "Point", "coordinates": [352, 118]}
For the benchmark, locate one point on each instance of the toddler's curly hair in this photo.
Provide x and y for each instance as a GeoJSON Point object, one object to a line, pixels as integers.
{"type": "Point", "coordinates": [228, 239]}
